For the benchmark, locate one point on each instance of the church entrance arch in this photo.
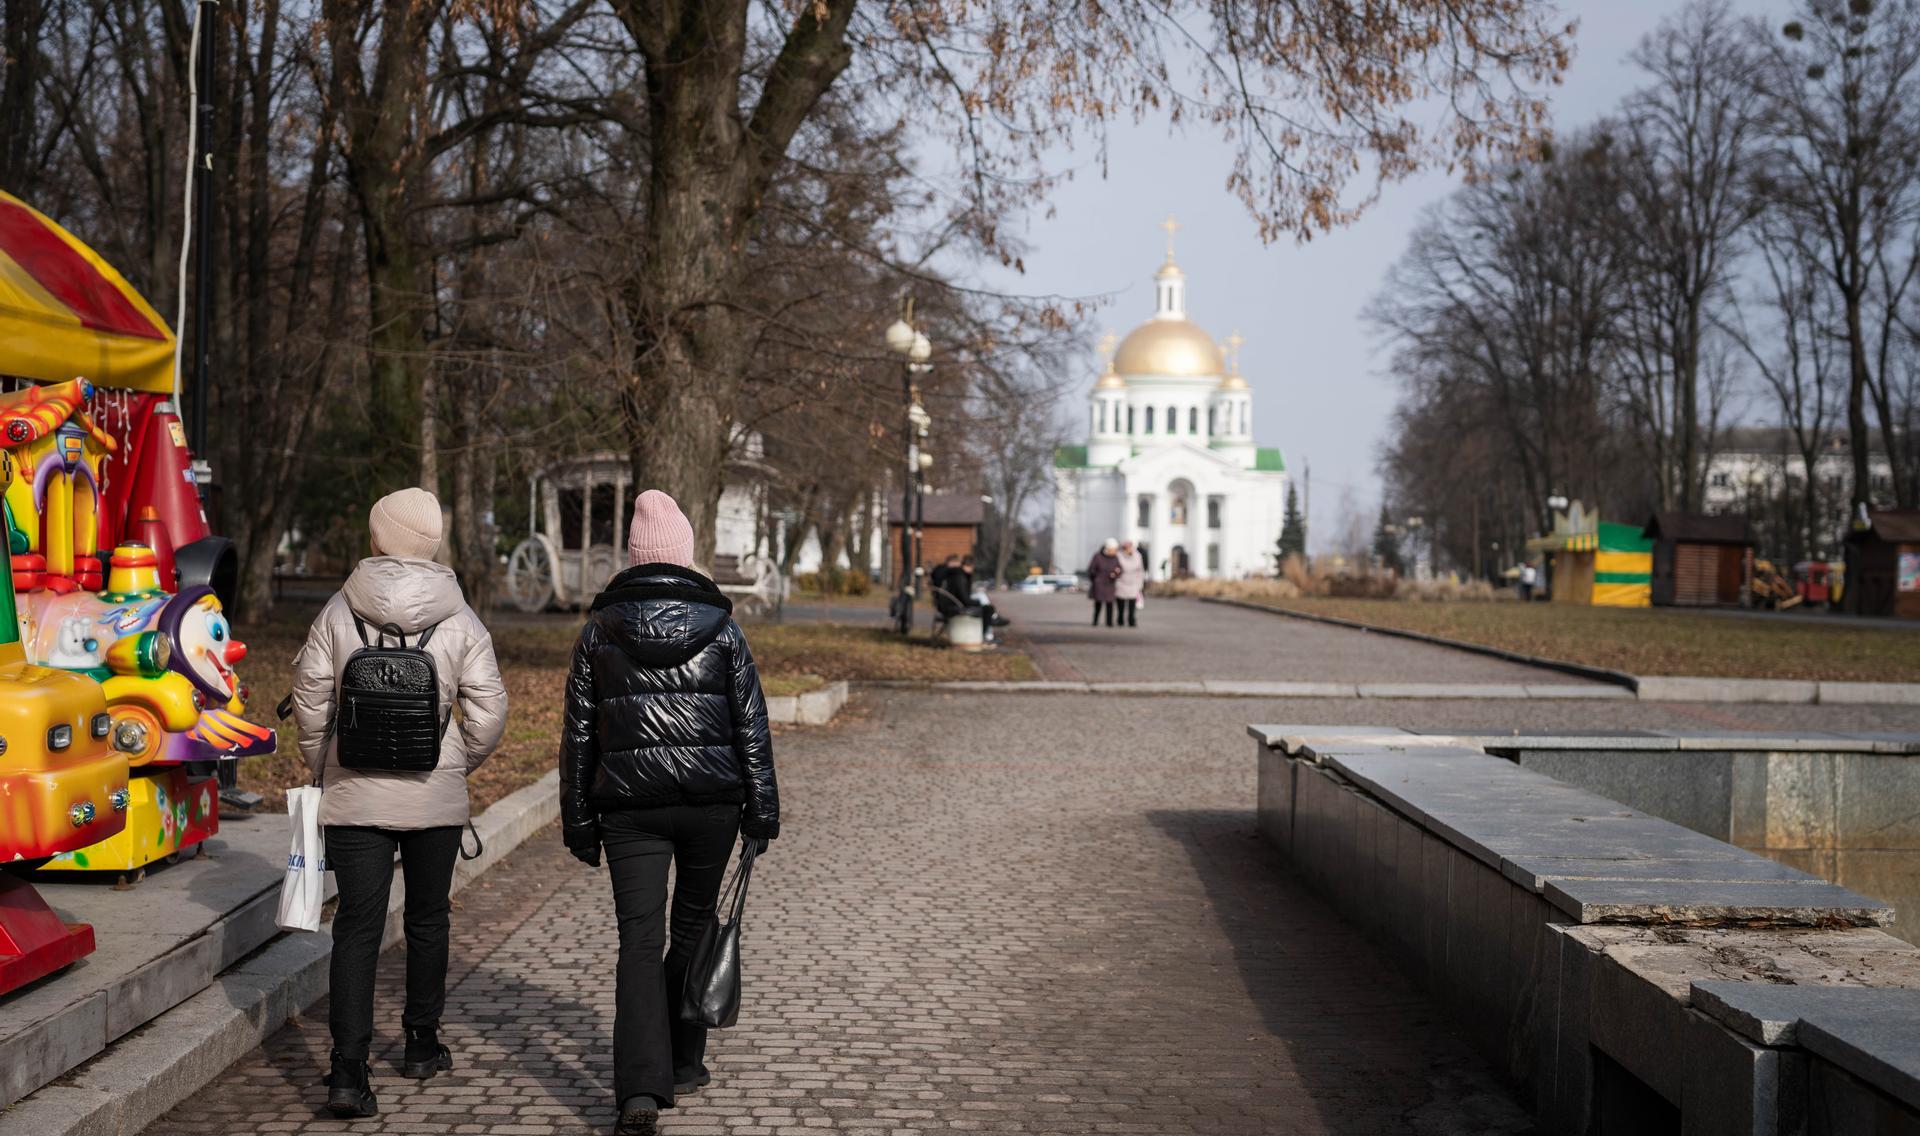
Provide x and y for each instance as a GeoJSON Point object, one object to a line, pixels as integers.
{"type": "Point", "coordinates": [1182, 505]}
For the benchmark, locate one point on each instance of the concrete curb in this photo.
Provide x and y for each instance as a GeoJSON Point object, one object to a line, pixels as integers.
{"type": "Point", "coordinates": [1237, 688]}
{"type": "Point", "coordinates": [172, 1057]}
{"type": "Point", "coordinates": [1598, 674]}
{"type": "Point", "coordinates": [814, 708]}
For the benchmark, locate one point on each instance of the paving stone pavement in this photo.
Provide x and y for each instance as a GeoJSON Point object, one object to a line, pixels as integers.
{"type": "Point", "coordinates": [990, 913]}
{"type": "Point", "coordinates": [987, 915]}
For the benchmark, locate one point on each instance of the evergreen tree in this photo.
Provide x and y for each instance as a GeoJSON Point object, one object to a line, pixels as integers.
{"type": "Point", "coordinates": [1293, 530]}
{"type": "Point", "coordinates": [1386, 545]}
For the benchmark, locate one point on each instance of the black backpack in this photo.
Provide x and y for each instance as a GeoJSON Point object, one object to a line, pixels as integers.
{"type": "Point", "coordinates": [388, 715]}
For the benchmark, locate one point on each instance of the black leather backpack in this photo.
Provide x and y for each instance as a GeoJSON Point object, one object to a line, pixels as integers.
{"type": "Point", "coordinates": [388, 715]}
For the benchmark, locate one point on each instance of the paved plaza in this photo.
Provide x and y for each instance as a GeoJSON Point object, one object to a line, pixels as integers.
{"type": "Point", "coordinates": [1034, 913]}
{"type": "Point", "coordinates": [1182, 639]}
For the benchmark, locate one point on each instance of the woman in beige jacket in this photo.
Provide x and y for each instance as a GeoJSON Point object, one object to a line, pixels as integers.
{"type": "Point", "coordinates": [369, 816]}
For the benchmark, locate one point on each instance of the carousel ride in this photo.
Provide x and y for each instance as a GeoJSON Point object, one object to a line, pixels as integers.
{"type": "Point", "coordinates": [118, 697]}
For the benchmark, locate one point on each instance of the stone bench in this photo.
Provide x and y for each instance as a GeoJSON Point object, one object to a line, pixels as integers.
{"type": "Point", "coordinates": [1565, 930]}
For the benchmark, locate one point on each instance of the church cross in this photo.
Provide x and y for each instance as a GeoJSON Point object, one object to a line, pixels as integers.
{"type": "Point", "coordinates": [1106, 346]}
{"type": "Point", "coordinates": [1171, 226]}
{"type": "Point", "coordinates": [1233, 343]}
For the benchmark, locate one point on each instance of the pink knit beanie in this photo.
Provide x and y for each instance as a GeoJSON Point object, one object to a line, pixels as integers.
{"type": "Point", "coordinates": [660, 533]}
{"type": "Point", "coordinates": [406, 523]}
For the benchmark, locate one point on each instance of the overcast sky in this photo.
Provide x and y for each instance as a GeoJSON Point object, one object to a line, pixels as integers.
{"type": "Point", "coordinates": [1320, 393]}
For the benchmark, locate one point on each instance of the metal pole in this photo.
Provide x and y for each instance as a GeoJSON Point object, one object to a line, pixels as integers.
{"type": "Point", "coordinates": [207, 15]}
{"type": "Point", "coordinates": [919, 524]}
{"type": "Point", "coordinates": [906, 504]}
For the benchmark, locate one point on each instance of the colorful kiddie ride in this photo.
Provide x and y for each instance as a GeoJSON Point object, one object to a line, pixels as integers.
{"type": "Point", "coordinates": [62, 788]}
{"type": "Point", "coordinates": [162, 651]}
{"type": "Point", "coordinates": [118, 576]}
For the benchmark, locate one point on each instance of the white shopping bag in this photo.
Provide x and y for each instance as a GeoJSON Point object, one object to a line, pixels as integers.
{"type": "Point", "coordinates": [305, 888]}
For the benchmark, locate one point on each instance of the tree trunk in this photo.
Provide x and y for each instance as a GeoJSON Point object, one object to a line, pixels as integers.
{"type": "Point", "coordinates": [20, 24]}
{"type": "Point", "coordinates": [472, 546]}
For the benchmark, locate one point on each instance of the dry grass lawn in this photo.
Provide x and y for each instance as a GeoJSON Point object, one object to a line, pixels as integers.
{"type": "Point", "coordinates": [533, 660]}
{"type": "Point", "coordinates": [1651, 641]}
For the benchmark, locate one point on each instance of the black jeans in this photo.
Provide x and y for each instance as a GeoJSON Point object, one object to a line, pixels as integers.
{"type": "Point", "coordinates": [653, 1050]}
{"type": "Point", "coordinates": [1100, 607]}
{"type": "Point", "coordinates": [362, 863]}
{"type": "Point", "coordinates": [1128, 610]}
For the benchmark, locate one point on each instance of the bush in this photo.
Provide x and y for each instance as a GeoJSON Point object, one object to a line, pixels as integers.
{"type": "Point", "coordinates": [834, 581]}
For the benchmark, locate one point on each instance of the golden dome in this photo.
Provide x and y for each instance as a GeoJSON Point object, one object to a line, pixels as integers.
{"type": "Point", "coordinates": [1169, 347]}
{"type": "Point", "coordinates": [1110, 381]}
{"type": "Point", "coordinates": [1233, 382]}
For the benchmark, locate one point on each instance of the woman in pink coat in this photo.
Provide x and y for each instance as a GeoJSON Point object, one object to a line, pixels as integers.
{"type": "Point", "coordinates": [1130, 585]}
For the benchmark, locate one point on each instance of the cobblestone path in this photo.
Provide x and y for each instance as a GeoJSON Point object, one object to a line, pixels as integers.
{"type": "Point", "coordinates": [1029, 915]}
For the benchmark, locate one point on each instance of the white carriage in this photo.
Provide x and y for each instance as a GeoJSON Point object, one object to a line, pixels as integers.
{"type": "Point", "coordinates": [579, 512]}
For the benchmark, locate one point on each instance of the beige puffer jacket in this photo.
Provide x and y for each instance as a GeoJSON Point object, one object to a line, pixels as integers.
{"type": "Point", "coordinates": [413, 595]}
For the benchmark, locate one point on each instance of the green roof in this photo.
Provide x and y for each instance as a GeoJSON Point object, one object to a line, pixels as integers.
{"type": "Point", "coordinates": [1069, 457]}
{"type": "Point", "coordinates": [1267, 459]}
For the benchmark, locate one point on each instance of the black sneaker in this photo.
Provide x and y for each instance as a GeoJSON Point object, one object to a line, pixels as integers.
{"type": "Point", "coordinates": [425, 1055]}
{"type": "Point", "coordinates": [683, 1088]}
{"type": "Point", "coordinates": [639, 1117]}
{"type": "Point", "coordinates": [349, 1091]}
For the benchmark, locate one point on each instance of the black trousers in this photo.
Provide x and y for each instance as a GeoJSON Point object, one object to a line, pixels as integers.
{"type": "Point", "coordinates": [652, 1048]}
{"type": "Point", "coordinates": [1101, 607]}
{"type": "Point", "coordinates": [1128, 610]}
{"type": "Point", "coordinates": [362, 863]}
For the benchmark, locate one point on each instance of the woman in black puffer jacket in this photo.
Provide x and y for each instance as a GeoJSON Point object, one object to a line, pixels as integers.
{"type": "Point", "coordinates": [665, 756]}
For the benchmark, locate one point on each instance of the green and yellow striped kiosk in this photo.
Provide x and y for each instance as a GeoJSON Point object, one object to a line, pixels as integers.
{"type": "Point", "coordinates": [1597, 562]}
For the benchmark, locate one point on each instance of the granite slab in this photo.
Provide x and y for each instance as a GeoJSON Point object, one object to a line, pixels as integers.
{"type": "Point", "coordinates": [1534, 871]}
{"type": "Point", "coordinates": [1753, 904]}
{"type": "Point", "coordinates": [1871, 1032]}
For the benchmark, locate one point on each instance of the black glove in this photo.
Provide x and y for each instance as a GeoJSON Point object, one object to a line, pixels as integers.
{"type": "Point", "coordinates": [754, 844]}
{"type": "Point", "coordinates": [588, 854]}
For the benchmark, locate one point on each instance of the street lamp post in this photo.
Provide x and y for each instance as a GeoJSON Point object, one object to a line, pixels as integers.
{"type": "Point", "coordinates": [914, 350]}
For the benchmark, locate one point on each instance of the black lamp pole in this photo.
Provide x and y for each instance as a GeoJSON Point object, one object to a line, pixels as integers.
{"type": "Point", "coordinates": [905, 597]}
{"type": "Point", "coordinates": [205, 17]}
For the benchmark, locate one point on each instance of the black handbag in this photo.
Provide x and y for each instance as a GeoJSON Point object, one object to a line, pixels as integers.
{"type": "Point", "coordinates": [711, 996]}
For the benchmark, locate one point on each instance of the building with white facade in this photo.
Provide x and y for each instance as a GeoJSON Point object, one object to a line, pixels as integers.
{"type": "Point", "coordinates": [1170, 460]}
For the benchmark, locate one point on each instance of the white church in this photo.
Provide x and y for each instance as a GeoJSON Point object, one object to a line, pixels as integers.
{"type": "Point", "coordinates": [1170, 461]}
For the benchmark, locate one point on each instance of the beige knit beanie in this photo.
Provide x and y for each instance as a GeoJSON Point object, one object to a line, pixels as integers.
{"type": "Point", "coordinates": [660, 533]}
{"type": "Point", "coordinates": [406, 523]}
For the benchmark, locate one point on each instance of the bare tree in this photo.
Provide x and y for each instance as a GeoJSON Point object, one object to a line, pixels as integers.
{"type": "Point", "coordinates": [1841, 88]}
{"type": "Point", "coordinates": [1303, 92]}
{"type": "Point", "coordinates": [1684, 155]}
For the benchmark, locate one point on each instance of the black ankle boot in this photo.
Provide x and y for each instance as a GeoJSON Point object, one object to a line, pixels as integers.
{"type": "Point", "coordinates": [425, 1055]}
{"type": "Point", "coordinates": [639, 1116]}
{"type": "Point", "coordinates": [349, 1091]}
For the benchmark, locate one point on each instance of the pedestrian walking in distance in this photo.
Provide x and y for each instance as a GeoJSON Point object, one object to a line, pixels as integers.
{"type": "Point", "coordinates": [665, 757]}
{"type": "Point", "coordinates": [1103, 576]}
{"type": "Point", "coordinates": [370, 814]}
{"type": "Point", "coordinates": [1129, 585]}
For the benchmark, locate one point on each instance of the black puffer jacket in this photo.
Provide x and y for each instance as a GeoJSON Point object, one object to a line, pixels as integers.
{"type": "Point", "coordinates": [664, 707]}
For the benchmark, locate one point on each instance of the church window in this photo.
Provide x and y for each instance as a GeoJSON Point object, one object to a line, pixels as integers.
{"type": "Point", "coordinates": [1245, 427]}
{"type": "Point", "coordinates": [1213, 421]}
{"type": "Point", "coordinates": [1102, 427]}
{"type": "Point", "coordinates": [1213, 512]}
{"type": "Point", "coordinates": [1193, 420]}
{"type": "Point", "coordinates": [1173, 420]}
{"type": "Point", "coordinates": [1213, 558]}
{"type": "Point", "coordinates": [1149, 428]}
{"type": "Point", "coordinates": [1129, 419]}
{"type": "Point", "coordinates": [1178, 513]}
{"type": "Point", "coordinates": [1144, 518]}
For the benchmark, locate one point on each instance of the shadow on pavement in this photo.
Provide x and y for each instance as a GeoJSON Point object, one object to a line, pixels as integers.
{"type": "Point", "coordinates": [1362, 1036]}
